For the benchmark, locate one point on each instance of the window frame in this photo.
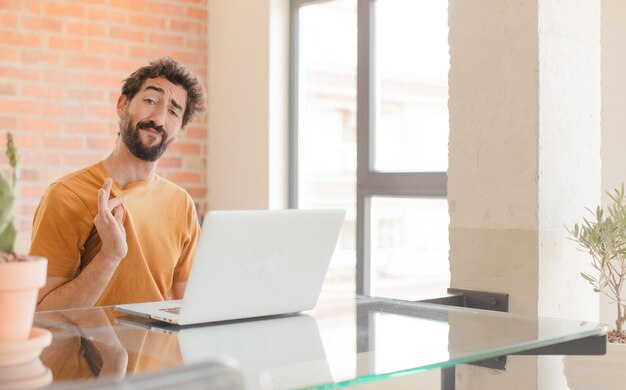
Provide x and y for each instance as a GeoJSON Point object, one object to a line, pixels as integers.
{"type": "Point", "coordinates": [369, 181]}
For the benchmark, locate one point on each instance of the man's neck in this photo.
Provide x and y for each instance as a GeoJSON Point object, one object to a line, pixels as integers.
{"type": "Point", "coordinates": [125, 168]}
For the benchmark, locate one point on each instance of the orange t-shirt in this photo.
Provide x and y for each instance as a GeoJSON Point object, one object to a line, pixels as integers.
{"type": "Point", "coordinates": [161, 231]}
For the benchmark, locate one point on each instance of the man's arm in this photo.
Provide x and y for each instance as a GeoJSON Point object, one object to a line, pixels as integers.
{"type": "Point", "coordinates": [86, 288]}
{"type": "Point", "coordinates": [82, 291]}
{"type": "Point", "coordinates": [183, 267]}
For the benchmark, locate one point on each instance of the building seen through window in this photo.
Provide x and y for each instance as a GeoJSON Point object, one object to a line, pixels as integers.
{"type": "Point", "coordinates": [408, 236]}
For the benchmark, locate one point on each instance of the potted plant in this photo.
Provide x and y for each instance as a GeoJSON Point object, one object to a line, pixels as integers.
{"type": "Point", "coordinates": [604, 238]}
{"type": "Point", "coordinates": [21, 276]}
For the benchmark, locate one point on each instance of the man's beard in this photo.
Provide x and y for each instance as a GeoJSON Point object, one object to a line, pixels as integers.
{"type": "Point", "coordinates": [132, 139]}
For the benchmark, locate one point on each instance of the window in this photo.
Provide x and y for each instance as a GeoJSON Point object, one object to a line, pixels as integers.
{"type": "Point", "coordinates": [369, 133]}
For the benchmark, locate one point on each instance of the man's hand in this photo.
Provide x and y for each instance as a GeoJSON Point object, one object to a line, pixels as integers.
{"type": "Point", "coordinates": [87, 287]}
{"type": "Point", "coordinates": [110, 223]}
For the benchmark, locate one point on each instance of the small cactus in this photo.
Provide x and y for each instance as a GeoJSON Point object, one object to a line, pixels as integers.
{"type": "Point", "coordinates": [7, 198]}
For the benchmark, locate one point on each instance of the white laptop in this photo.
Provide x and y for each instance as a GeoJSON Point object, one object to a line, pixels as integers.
{"type": "Point", "coordinates": [253, 264]}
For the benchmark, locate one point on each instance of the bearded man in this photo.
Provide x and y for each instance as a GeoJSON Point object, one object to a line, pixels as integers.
{"type": "Point", "coordinates": [116, 232]}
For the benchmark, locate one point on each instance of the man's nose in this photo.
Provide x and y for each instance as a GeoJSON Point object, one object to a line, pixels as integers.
{"type": "Point", "coordinates": [159, 115]}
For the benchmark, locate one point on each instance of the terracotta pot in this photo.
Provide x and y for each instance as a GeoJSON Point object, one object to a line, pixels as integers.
{"type": "Point", "coordinates": [19, 285]}
{"type": "Point", "coordinates": [606, 372]}
{"type": "Point", "coordinates": [30, 375]}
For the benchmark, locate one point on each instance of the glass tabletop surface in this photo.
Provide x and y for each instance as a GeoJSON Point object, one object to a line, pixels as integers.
{"type": "Point", "coordinates": [345, 340]}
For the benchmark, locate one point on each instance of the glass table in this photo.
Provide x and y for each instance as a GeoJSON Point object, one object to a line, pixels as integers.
{"type": "Point", "coordinates": [345, 340]}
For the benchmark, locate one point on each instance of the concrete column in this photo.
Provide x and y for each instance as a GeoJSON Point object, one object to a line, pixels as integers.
{"type": "Point", "coordinates": [524, 160]}
{"type": "Point", "coordinates": [613, 111]}
{"type": "Point", "coordinates": [247, 104]}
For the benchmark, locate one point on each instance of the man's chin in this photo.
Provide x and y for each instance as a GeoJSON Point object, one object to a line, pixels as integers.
{"type": "Point", "coordinates": [150, 138]}
{"type": "Point", "coordinates": [146, 152]}
{"type": "Point", "coordinates": [144, 155]}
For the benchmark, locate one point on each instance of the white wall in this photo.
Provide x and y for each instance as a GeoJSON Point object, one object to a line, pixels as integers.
{"type": "Point", "coordinates": [247, 104]}
{"type": "Point", "coordinates": [613, 110]}
{"type": "Point", "coordinates": [524, 161]}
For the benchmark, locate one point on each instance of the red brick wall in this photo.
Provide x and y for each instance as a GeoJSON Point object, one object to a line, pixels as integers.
{"type": "Point", "coordinates": [61, 67]}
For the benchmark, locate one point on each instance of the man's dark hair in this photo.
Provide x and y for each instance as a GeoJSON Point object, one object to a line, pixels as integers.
{"type": "Point", "coordinates": [177, 74]}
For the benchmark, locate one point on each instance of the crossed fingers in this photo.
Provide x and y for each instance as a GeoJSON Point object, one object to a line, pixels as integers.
{"type": "Point", "coordinates": [110, 210]}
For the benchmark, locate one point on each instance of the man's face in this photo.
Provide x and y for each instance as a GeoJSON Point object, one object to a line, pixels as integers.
{"type": "Point", "coordinates": [151, 121]}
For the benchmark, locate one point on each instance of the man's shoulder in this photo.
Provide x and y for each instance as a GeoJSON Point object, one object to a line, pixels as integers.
{"type": "Point", "coordinates": [171, 188]}
{"type": "Point", "coordinates": [88, 175]}
{"type": "Point", "coordinates": [176, 196]}
{"type": "Point", "coordinates": [81, 183]}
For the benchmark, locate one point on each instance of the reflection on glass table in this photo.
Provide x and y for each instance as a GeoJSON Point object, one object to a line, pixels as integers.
{"type": "Point", "coordinates": [346, 340]}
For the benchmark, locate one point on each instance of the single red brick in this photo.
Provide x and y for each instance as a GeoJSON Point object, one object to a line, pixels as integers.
{"type": "Point", "coordinates": [40, 125]}
{"type": "Point", "coordinates": [86, 94]}
{"type": "Point", "coordinates": [188, 27]}
{"type": "Point", "coordinates": [62, 43]}
{"type": "Point", "coordinates": [29, 175]}
{"type": "Point", "coordinates": [144, 52]}
{"type": "Point", "coordinates": [39, 158]}
{"type": "Point", "coordinates": [32, 191]}
{"type": "Point", "coordinates": [126, 66]}
{"type": "Point", "coordinates": [65, 110]}
{"type": "Point", "coordinates": [64, 9]}
{"type": "Point", "coordinates": [198, 13]}
{"type": "Point", "coordinates": [106, 15]}
{"type": "Point", "coordinates": [99, 46]}
{"type": "Point", "coordinates": [84, 29]}
{"type": "Point", "coordinates": [8, 123]}
{"type": "Point", "coordinates": [137, 5]}
{"type": "Point", "coordinates": [40, 57]}
{"type": "Point", "coordinates": [107, 143]}
{"type": "Point", "coordinates": [8, 53]}
{"type": "Point", "coordinates": [146, 21]}
{"type": "Point", "coordinates": [65, 77]}
{"type": "Point", "coordinates": [8, 20]}
{"type": "Point", "coordinates": [166, 39]}
{"type": "Point", "coordinates": [184, 177]}
{"type": "Point", "coordinates": [79, 160]}
{"type": "Point", "coordinates": [127, 34]}
{"type": "Point", "coordinates": [197, 43]}
{"type": "Point", "coordinates": [63, 143]}
{"type": "Point", "coordinates": [185, 147]}
{"type": "Point", "coordinates": [41, 92]}
{"type": "Point", "coordinates": [18, 73]}
{"type": "Point", "coordinates": [83, 61]}
{"type": "Point", "coordinates": [23, 141]}
{"type": "Point", "coordinates": [19, 39]}
{"type": "Point", "coordinates": [169, 9]}
{"type": "Point", "coordinates": [100, 111]}
{"type": "Point", "coordinates": [8, 89]}
{"type": "Point", "coordinates": [104, 80]}
{"type": "Point", "coordinates": [197, 192]}
{"type": "Point", "coordinates": [170, 162]}
{"type": "Point", "coordinates": [88, 128]}
{"type": "Point", "coordinates": [18, 107]}
{"type": "Point", "coordinates": [42, 23]}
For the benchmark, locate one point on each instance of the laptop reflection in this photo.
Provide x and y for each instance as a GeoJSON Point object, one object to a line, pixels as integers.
{"type": "Point", "coordinates": [279, 352]}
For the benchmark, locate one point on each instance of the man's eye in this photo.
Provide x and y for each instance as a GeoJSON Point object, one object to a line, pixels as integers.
{"type": "Point", "coordinates": [174, 113]}
{"type": "Point", "coordinates": [149, 101]}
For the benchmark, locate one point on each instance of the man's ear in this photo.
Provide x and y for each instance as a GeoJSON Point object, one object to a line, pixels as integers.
{"type": "Point", "coordinates": [122, 103]}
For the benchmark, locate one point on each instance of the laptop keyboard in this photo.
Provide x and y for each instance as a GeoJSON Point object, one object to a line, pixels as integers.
{"type": "Point", "coordinates": [173, 310]}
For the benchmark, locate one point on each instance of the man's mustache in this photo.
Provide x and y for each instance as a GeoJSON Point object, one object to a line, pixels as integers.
{"type": "Point", "coordinates": [150, 125]}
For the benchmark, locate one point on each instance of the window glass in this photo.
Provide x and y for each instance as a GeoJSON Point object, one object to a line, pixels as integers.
{"type": "Point", "coordinates": [327, 123]}
{"type": "Point", "coordinates": [409, 247]}
{"type": "Point", "coordinates": [412, 63]}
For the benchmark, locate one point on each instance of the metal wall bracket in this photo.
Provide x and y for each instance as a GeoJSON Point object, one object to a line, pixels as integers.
{"type": "Point", "coordinates": [473, 299]}
{"type": "Point", "coordinates": [592, 345]}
